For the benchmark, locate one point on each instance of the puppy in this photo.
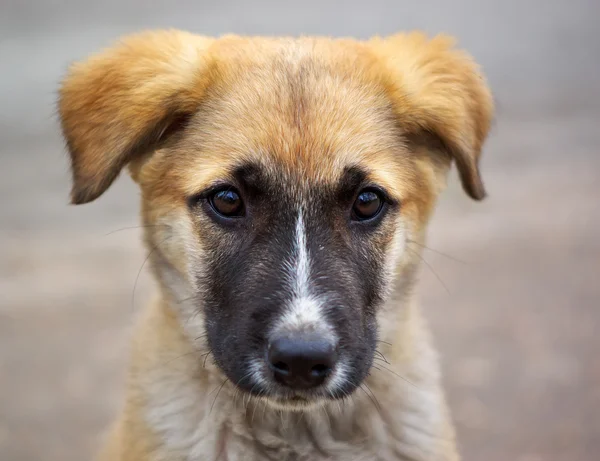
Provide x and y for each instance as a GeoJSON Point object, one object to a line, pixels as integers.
{"type": "Point", "coordinates": [286, 187]}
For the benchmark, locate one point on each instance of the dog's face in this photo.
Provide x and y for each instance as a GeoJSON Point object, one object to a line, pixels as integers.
{"type": "Point", "coordinates": [282, 181]}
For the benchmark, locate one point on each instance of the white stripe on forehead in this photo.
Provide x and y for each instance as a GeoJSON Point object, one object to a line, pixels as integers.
{"type": "Point", "coordinates": [305, 310]}
{"type": "Point", "coordinates": [302, 261]}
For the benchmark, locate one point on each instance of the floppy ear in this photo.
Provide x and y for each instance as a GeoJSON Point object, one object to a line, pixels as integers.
{"type": "Point", "coordinates": [120, 103]}
{"type": "Point", "coordinates": [438, 90]}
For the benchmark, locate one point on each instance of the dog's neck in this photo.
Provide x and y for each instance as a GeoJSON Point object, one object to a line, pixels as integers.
{"type": "Point", "coordinates": [398, 412]}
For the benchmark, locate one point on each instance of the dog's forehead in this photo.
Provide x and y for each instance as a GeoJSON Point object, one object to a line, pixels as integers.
{"type": "Point", "coordinates": [295, 113]}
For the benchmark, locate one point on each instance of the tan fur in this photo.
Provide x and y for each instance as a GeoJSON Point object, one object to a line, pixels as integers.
{"type": "Point", "coordinates": [403, 107]}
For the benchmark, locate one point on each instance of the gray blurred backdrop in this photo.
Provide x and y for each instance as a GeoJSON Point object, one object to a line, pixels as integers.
{"type": "Point", "coordinates": [517, 319]}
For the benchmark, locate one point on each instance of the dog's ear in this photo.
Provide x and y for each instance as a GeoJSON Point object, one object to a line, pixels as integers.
{"type": "Point", "coordinates": [120, 103]}
{"type": "Point", "coordinates": [438, 90]}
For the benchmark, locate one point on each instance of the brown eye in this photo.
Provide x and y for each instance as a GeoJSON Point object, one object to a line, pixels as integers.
{"type": "Point", "coordinates": [367, 205]}
{"type": "Point", "coordinates": [227, 203]}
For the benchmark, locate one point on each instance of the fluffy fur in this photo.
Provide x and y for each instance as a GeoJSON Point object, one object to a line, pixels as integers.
{"type": "Point", "coordinates": [183, 111]}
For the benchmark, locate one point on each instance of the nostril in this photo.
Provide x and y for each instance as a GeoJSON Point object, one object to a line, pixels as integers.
{"type": "Point", "coordinates": [281, 368]}
{"type": "Point", "coordinates": [320, 371]}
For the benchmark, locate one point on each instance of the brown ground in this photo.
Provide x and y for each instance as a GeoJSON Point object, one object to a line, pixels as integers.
{"type": "Point", "coordinates": [517, 322]}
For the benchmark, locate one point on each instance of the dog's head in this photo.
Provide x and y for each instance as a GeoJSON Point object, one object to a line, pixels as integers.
{"type": "Point", "coordinates": [281, 182]}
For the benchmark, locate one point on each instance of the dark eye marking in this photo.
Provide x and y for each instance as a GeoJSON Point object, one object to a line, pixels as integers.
{"type": "Point", "coordinates": [351, 181]}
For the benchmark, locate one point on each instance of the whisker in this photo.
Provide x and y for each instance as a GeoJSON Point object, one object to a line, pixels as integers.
{"type": "Point", "coordinates": [371, 397]}
{"type": "Point", "coordinates": [240, 380]}
{"type": "Point", "coordinates": [284, 420]}
{"type": "Point", "coordinates": [375, 403]}
{"type": "Point", "coordinates": [327, 418]}
{"type": "Point", "coordinates": [431, 269]}
{"type": "Point", "coordinates": [194, 315]}
{"type": "Point", "coordinates": [264, 407]}
{"type": "Point", "coordinates": [394, 373]}
{"type": "Point", "coordinates": [217, 396]}
{"type": "Point", "coordinates": [136, 227]}
{"type": "Point", "coordinates": [445, 255]}
{"type": "Point", "coordinates": [180, 301]}
{"type": "Point", "coordinates": [141, 268]}
{"type": "Point", "coordinates": [343, 400]}
{"type": "Point", "coordinates": [373, 394]}
{"type": "Point", "coordinates": [258, 400]}
{"type": "Point", "coordinates": [250, 395]}
{"type": "Point", "coordinates": [205, 358]}
{"type": "Point", "coordinates": [166, 362]}
{"type": "Point", "coordinates": [179, 357]}
{"type": "Point", "coordinates": [235, 395]}
{"type": "Point", "coordinates": [382, 356]}
{"type": "Point", "coordinates": [301, 417]}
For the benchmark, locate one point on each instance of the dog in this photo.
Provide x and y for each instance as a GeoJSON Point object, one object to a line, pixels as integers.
{"type": "Point", "coordinates": [286, 186]}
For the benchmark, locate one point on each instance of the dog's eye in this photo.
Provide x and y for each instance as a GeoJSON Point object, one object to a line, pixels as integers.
{"type": "Point", "coordinates": [227, 203]}
{"type": "Point", "coordinates": [367, 205]}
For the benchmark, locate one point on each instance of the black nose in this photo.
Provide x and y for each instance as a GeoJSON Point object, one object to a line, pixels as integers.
{"type": "Point", "coordinates": [301, 362]}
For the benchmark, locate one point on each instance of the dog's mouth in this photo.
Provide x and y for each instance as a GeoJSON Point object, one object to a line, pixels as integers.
{"type": "Point", "coordinates": [293, 402]}
{"type": "Point", "coordinates": [283, 398]}
{"type": "Point", "coordinates": [263, 387]}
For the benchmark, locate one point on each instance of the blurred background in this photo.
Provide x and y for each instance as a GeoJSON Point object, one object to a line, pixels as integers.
{"type": "Point", "coordinates": [514, 304]}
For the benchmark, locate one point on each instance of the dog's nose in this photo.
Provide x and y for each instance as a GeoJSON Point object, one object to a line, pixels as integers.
{"type": "Point", "coordinates": [301, 362]}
